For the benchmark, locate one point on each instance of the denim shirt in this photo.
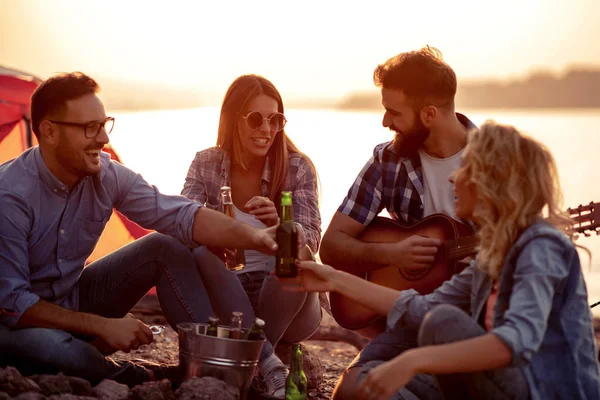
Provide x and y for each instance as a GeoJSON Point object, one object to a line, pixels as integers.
{"type": "Point", "coordinates": [541, 314]}
{"type": "Point", "coordinates": [47, 231]}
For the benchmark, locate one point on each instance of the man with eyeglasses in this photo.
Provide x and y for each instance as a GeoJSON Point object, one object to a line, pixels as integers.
{"type": "Point", "coordinates": [55, 200]}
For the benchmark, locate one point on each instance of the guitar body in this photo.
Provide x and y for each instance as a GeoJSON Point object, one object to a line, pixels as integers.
{"type": "Point", "coordinates": [354, 316]}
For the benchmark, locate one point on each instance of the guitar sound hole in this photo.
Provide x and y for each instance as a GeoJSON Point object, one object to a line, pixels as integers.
{"type": "Point", "coordinates": [414, 274]}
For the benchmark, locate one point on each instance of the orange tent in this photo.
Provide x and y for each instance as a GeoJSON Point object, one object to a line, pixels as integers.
{"type": "Point", "coordinates": [16, 136]}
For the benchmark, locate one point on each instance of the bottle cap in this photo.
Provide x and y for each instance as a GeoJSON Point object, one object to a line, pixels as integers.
{"type": "Point", "coordinates": [286, 198]}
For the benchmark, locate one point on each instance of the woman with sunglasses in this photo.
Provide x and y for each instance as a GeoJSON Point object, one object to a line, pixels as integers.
{"type": "Point", "coordinates": [258, 161]}
{"type": "Point", "coordinates": [516, 323]}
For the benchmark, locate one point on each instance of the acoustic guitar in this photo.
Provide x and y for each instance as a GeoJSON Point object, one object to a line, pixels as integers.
{"type": "Point", "coordinates": [458, 242]}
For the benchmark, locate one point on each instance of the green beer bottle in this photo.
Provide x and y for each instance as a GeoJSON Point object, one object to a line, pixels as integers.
{"type": "Point", "coordinates": [212, 329]}
{"type": "Point", "coordinates": [255, 332]}
{"type": "Point", "coordinates": [287, 240]}
{"type": "Point", "coordinates": [296, 384]}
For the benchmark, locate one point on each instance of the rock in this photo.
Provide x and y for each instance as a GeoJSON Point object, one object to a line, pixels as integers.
{"type": "Point", "coordinates": [157, 390]}
{"type": "Point", "coordinates": [30, 396]}
{"type": "Point", "coordinates": [69, 396]}
{"type": "Point", "coordinates": [13, 383]}
{"type": "Point", "coordinates": [206, 388]}
{"type": "Point", "coordinates": [54, 384]}
{"type": "Point", "coordinates": [111, 390]}
{"type": "Point", "coordinates": [80, 386]}
{"type": "Point", "coordinates": [4, 396]}
{"type": "Point", "coordinates": [310, 363]}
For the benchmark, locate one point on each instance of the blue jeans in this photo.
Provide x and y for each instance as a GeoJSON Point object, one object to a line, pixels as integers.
{"type": "Point", "coordinates": [110, 287]}
{"type": "Point", "coordinates": [291, 317]}
{"type": "Point", "coordinates": [447, 324]}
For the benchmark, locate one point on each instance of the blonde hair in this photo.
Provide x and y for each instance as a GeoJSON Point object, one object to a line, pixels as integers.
{"type": "Point", "coordinates": [516, 182]}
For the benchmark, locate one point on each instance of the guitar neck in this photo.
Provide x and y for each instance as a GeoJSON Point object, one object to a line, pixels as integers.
{"type": "Point", "coordinates": [457, 249]}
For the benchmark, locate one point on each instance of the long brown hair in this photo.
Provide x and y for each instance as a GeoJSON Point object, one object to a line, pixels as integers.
{"type": "Point", "coordinates": [239, 95]}
{"type": "Point", "coordinates": [516, 181]}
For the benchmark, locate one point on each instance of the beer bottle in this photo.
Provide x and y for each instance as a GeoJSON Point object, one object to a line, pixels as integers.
{"type": "Point", "coordinates": [255, 332]}
{"type": "Point", "coordinates": [238, 261]}
{"type": "Point", "coordinates": [296, 383]}
{"type": "Point", "coordinates": [287, 240]}
{"type": "Point", "coordinates": [212, 328]}
{"type": "Point", "coordinates": [236, 325]}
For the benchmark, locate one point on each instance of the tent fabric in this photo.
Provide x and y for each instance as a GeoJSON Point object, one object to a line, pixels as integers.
{"type": "Point", "coordinates": [16, 88]}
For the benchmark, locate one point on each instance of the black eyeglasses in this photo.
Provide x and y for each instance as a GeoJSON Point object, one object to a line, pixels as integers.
{"type": "Point", "coordinates": [90, 129]}
{"type": "Point", "coordinates": [255, 119]}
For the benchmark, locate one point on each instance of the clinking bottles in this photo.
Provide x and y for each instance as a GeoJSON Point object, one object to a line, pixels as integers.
{"type": "Point", "coordinates": [287, 240]}
{"type": "Point", "coordinates": [296, 382]}
{"type": "Point", "coordinates": [235, 261]}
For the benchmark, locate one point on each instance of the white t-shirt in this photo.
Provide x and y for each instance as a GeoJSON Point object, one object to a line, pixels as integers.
{"type": "Point", "coordinates": [438, 191]}
{"type": "Point", "coordinates": [255, 260]}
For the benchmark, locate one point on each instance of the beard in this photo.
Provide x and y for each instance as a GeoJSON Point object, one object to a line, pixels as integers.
{"type": "Point", "coordinates": [406, 144]}
{"type": "Point", "coordinates": [71, 159]}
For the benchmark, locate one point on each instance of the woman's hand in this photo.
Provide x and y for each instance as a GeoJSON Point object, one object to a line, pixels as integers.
{"type": "Point", "coordinates": [312, 277]}
{"type": "Point", "coordinates": [386, 379]}
{"type": "Point", "coordinates": [263, 209]}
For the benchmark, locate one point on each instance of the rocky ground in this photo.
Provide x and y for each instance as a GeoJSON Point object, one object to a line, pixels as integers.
{"type": "Point", "coordinates": [334, 356]}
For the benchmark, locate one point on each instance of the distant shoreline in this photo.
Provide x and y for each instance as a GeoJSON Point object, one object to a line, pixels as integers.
{"type": "Point", "coordinates": [577, 89]}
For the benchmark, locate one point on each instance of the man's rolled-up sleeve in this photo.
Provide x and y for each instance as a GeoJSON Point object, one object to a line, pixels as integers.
{"type": "Point", "coordinates": [540, 267]}
{"type": "Point", "coordinates": [15, 287]}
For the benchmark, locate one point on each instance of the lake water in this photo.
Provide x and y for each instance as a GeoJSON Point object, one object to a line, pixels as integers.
{"type": "Point", "coordinates": [161, 145]}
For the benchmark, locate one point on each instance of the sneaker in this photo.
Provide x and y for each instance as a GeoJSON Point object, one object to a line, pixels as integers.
{"type": "Point", "coordinates": [271, 378]}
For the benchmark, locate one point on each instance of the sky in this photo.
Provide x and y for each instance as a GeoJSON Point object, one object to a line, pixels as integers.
{"type": "Point", "coordinates": [312, 48]}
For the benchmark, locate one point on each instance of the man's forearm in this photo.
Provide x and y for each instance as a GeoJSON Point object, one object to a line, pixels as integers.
{"type": "Point", "coordinates": [352, 255]}
{"type": "Point", "coordinates": [47, 315]}
{"type": "Point", "coordinates": [212, 228]}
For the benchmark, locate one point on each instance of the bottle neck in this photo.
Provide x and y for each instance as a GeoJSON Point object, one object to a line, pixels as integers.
{"type": "Point", "coordinates": [296, 362]}
{"type": "Point", "coordinates": [287, 214]}
{"type": "Point", "coordinates": [226, 197]}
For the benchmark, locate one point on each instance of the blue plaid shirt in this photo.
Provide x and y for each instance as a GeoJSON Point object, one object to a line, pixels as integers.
{"type": "Point", "coordinates": [390, 181]}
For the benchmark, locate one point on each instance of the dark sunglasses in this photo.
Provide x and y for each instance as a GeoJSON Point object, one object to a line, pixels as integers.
{"type": "Point", "coordinates": [90, 129]}
{"type": "Point", "coordinates": [255, 119]}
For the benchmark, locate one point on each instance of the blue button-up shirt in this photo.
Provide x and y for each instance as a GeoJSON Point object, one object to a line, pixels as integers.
{"type": "Point", "coordinates": [47, 232]}
{"type": "Point", "coordinates": [541, 313]}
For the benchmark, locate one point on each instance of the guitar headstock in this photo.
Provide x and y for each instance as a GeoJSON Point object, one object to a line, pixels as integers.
{"type": "Point", "coordinates": [587, 219]}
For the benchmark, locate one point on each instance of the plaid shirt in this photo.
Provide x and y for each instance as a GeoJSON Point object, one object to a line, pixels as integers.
{"type": "Point", "coordinates": [390, 181]}
{"type": "Point", "coordinates": [387, 181]}
{"type": "Point", "coordinates": [210, 171]}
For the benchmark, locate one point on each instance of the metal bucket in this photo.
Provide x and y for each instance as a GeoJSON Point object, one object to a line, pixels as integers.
{"type": "Point", "coordinates": [231, 360]}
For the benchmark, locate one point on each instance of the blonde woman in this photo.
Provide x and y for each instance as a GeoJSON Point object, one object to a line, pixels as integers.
{"type": "Point", "coordinates": [515, 324]}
